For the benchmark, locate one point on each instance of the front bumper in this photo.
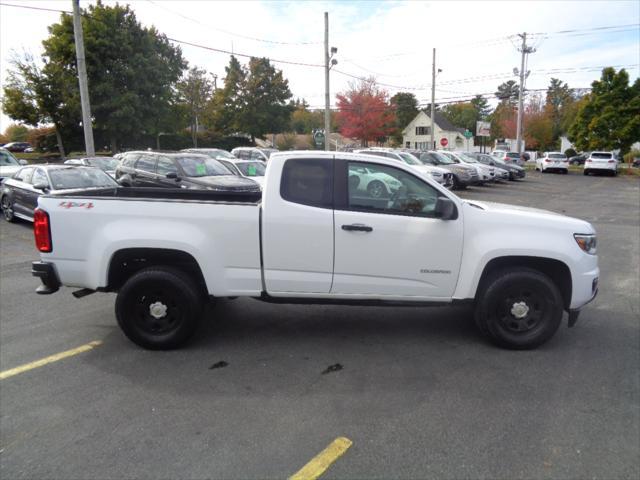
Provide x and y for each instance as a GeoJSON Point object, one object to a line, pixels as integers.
{"type": "Point", "coordinates": [47, 274]}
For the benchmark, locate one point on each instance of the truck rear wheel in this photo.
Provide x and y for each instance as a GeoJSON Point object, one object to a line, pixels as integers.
{"type": "Point", "coordinates": [519, 308]}
{"type": "Point", "coordinates": [159, 308]}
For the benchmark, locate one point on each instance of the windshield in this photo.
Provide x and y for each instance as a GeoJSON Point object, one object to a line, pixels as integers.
{"type": "Point", "coordinates": [202, 167]}
{"type": "Point", "coordinates": [105, 163]}
{"type": "Point", "coordinates": [8, 160]}
{"type": "Point", "coordinates": [467, 158]}
{"type": "Point", "coordinates": [251, 169]}
{"type": "Point", "coordinates": [409, 159]}
{"type": "Point", "coordinates": [82, 177]}
{"type": "Point", "coordinates": [450, 156]}
{"type": "Point", "coordinates": [443, 159]}
{"type": "Point", "coordinates": [557, 155]}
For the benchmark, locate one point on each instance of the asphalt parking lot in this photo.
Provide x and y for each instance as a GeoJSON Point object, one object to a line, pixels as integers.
{"type": "Point", "coordinates": [265, 388]}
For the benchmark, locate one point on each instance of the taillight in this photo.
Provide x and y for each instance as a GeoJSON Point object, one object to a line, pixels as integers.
{"type": "Point", "coordinates": [42, 230]}
{"type": "Point", "coordinates": [612, 161]}
{"type": "Point", "coordinates": [548, 161]}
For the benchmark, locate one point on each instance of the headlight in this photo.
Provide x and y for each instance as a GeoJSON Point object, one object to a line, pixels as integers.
{"type": "Point", "coordinates": [586, 242]}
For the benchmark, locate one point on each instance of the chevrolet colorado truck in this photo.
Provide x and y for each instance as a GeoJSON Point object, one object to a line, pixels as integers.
{"type": "Point", "coordinates": [318, 234]}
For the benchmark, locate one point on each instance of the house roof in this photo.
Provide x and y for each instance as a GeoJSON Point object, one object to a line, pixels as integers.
{"type": "Point", "coordinates": [440, 120]}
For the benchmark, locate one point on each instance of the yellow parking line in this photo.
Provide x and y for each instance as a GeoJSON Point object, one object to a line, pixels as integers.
{"type": "Point", "coordinates": [44, 361]}
{"type": "Point", "coordinates": [319, 464]}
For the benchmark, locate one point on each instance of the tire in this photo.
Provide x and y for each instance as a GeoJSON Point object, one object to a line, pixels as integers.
{"type": "Point", "coordinates": [585, 172]}
{"type": "Point", "coordinates": [7, 209]}
{"type": "Point", "coordinates": [518, 308]}
{"type": "Point", "coordinates": [457, 184]}
{"type": "Point", "coordinates": [376, 189]}
{"type": "Point", "coordinates": [178, 304]}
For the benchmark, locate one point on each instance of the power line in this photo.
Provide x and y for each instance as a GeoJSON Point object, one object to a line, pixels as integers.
{"type": "Point", "coordinates": [275, 42]}
{"type": "Point", "coordinates": [588, 29]}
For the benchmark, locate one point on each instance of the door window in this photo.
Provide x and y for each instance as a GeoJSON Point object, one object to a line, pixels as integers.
{"type": "Point", "coordinates": [165, 166]}
{"type": "Point", "coordinates": [146, 163]}
{"type": "Point", "coordinates": [308, 181]}
{"type": "Point", "coordinates": [130, 159]}
{"type": "Point", "coordinates": [24, 175]}
{"type": "Point", "coordinates": [382, 189]}
{"type": "Point", "coordinates": [40, 177]}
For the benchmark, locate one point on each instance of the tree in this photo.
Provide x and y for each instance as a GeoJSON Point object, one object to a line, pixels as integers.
{"type": "Point", "coordinates": [224, 112]}
{"type": "Point", "coordinates": [559, 100]}
{"type": "Point", "coordinates": [16, 133]}
{"type": "Point", "coordinates": [132, 70]}
{"type": "Point", "coordinates": [538, 125]}
{"type": "Point", "coordinates": [35, 95]}
{"type": "Point", "coordinates": [481, 105]}
{"type": "Point", "coordinates": [508, 92]}
{"type": "Point", "coordinates": [195, 92]}
{"type": "Point", "coordinates": [609, 118]}
{"type": "Point", "coordinates": [462, 115]}
{"type": "Point", "coordinates": [265, 103]}
{"type": "Point", "coordinates": [406, 107]}
{"type": "Point", "coordinates": [364, 112]}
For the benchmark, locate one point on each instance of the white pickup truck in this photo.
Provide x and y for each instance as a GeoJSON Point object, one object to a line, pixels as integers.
{"type": "Point", "coordinates": [318, 234]}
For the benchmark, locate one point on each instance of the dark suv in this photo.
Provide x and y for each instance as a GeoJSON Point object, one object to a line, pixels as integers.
{"type": "Point", "coordinates": [179, 170]}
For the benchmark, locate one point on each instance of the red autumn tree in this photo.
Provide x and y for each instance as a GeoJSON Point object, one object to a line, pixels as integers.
{"type": "Point", "coordinates": [364, 112]}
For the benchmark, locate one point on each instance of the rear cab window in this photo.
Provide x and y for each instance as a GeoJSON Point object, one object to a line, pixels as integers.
{"type": "Point", "coordinates": [601, 156]}
{"type": "Point", "coordinates": [308, 181]}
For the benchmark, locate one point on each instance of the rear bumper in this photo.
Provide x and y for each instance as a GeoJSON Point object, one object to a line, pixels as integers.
{"type": "Point", "coordinates": [47, 275]}
{"type": "Point", "coordinates": [612, 167]}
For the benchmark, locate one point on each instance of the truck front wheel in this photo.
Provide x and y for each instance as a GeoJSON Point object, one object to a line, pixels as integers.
{"type": "Point", "coordinates": [159, 308]}
{"type": "Point", "coordinates": [519, 308]}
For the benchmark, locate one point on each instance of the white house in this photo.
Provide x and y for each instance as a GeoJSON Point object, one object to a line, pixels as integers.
{"type": "Point", "coordinates": [418, 134]}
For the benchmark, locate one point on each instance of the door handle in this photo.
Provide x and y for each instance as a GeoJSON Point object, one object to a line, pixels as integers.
{"type": "Point", "coordinates": [357, 227]}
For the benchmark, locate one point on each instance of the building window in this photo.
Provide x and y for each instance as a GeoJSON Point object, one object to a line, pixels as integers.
{"type": "Point", "coordinates": [423, 130]}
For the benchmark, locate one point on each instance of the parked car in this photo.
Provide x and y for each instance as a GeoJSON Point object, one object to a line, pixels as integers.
{"type": "Point", "coordinates": [500, 172]}
{"type": "Point", "coordinates": [17, 146]}
{"type": "Point", "coordinates": [19, 193]}
{"type": "Point", "coordinates": [440, 175]}
{"type": "Point", "coordinates": [462, 175]}
{"type": "Point", "coordinates": [601, 162]}
{"type": "Point", "coordinates": [106, 164]}
{"type": "Point", "coordinates": [509, 157]}
{"type": "Point", "coordinates": [485, 173]}
{"type": "Point", "coordinates": [215, 153]}
{"type": "Point", "coordinates": [253, 153]}
{"type": "Point", "coordinates": [553, 161]}
{"type": "Point", "coordinates": [513, 170]}
{"type": "Point", "coordinates": [252, 169]}
{"type": "Point", "coordinates": [179, 170]}
{"type": "Point", "coordinates": [314, 240]}
{"type": "Point", "coordinates": [9, 164]}
{"type": "Point", "coordinates": [578, 159]}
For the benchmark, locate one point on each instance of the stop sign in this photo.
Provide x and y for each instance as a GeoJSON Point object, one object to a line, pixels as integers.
{"type": "Point", "coordinates": [444, 142]}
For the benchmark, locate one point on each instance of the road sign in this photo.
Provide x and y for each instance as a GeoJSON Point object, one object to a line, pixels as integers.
{"type": "Point", "coordinates": [483, 129]}
{"type": "Point", "coordinates": [467, 134]}
{"type": "Point", "coordinates": [444, 142]}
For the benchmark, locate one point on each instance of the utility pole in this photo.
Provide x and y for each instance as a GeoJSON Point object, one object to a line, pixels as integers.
{"type": "Point", "coordinates": [82, 79]}
{"type": "Point", "coordinates": [523, 75]}
{"type": "Point", "coordinates": [327, 112]}
{"type": "Point", "coordinates": [433, 101]}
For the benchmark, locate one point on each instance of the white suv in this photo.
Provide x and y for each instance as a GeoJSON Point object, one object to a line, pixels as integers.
{"type": "Point", "coordinates": [553, 161]}
{"type": "Point", "coordinates": [604, 162]}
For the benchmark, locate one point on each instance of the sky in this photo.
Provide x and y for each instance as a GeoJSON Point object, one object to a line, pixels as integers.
{"type": "Point", "coordinates": [476, 42]}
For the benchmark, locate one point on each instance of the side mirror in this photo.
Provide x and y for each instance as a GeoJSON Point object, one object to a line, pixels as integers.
{"type": "Point", "coordinates": [41, 186]}
{"type": "Point", "coordinates": [23, 162]}
{"type": "Point", "coordinates": [446, 209]}
{"type": "Point", "coordinates": [174, 176]}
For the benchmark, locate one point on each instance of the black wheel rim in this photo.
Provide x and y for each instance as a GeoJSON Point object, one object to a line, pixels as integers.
{"type": "Point", "coordinates": [157, 311]}
{"type": "Point", "coordinates": [6, 209]}
{"type": "Point", "coordinates": [522, 310]}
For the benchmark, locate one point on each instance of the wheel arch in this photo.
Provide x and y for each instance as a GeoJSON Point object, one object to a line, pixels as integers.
{"type": "Point", "coordinates": [126, 262]}
{"type": "Point", "coordinates": [557, 271]}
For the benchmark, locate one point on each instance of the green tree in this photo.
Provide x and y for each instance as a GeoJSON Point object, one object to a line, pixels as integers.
{"type": "Point", "coordinates": [507, 92]}
{"type": "Point", "coordinates": [609, 119]}
{"type": "Point", "coordinates": [406, 108]}
{"type": "Point", "coordinates": [462, 115]}
{"type": "Point", "coordinates": [482, 106]}
{"type": "Point", "coordinates": [265, 103]}
{"type": "Point", "coordinates": [16, 133]}
{"type": "Point", "coordinates": [559, 100]}
{"type": "Point", "coordinates": [194, 92]}
{"type": "Point", "coordinates": [132, 70]}
{"type": "Point", "coordinates": [224, 112]}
